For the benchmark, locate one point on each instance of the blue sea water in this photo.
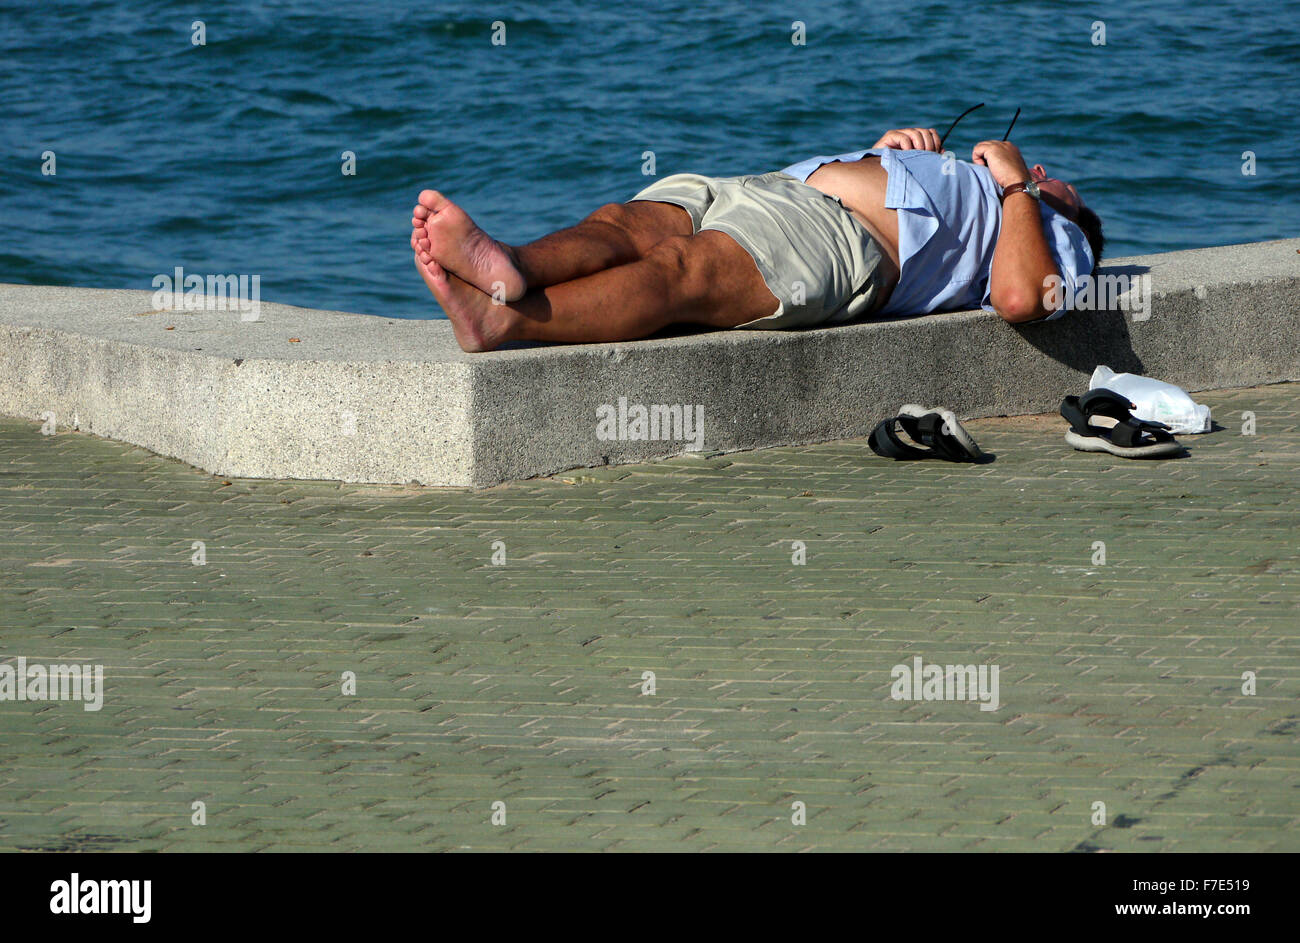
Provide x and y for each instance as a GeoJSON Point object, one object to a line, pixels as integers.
{"type": "Point", "coordinates": [225, 158]}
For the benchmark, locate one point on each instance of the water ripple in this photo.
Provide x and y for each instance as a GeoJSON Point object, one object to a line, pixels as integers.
{"type": "Point", "coordinates": [229, 155]}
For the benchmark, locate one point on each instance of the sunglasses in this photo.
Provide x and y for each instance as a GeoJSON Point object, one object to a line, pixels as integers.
{"type": "Point", "coordinates": [968, 111]}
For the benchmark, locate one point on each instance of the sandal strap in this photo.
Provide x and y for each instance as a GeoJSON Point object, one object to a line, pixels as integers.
{"type": "Point", "coordinates": [1129, 433]}
{"type": "Point", "coordinates": [1104, 402]}
{"type": "Point", "coordinates": [1079, 410]}
{"type": "Point", "coordinates": [885, 442]}
{"type": "Point", "coordinates": [930, 431]}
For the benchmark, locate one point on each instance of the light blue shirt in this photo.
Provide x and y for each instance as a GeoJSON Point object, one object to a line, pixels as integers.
{"type": "Point", "coordinates": [948, 226]}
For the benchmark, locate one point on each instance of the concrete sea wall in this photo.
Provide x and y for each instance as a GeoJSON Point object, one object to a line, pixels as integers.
{"type": "Point", "coordinates": [300, 393]}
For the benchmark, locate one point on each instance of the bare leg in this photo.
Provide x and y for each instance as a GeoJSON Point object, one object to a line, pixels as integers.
{"type": "Point", "coordinates": [704, 279]}
{"type": "Point", "coordinates": [615, 234]}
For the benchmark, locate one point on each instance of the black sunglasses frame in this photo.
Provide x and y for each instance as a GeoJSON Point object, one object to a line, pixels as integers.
{"type": "Point", "coordinates": [968, 111]}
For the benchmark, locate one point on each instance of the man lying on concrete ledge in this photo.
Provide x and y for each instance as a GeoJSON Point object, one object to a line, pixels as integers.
{"type": "Point", "coordinates": [895, 230]}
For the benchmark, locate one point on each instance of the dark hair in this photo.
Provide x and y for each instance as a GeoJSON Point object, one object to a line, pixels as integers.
{"type": "Point", "coordinates": [1090, 223]}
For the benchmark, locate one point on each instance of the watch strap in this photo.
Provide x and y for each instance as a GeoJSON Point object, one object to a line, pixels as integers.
{"type": "Point", "coordinates": [1017, 188]}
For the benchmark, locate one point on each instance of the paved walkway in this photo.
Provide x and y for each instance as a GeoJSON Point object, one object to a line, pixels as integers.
{"type": "Point", "coordinates": [1119, 683]}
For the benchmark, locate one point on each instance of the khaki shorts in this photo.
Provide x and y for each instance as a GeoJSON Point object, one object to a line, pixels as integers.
{"type": "Point", "coordinates": [816, 258]}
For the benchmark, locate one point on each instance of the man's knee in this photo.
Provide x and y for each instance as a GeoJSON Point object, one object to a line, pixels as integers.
{"type": "Point", "coordinates": [679, 256]}
{"type": "Point", "coordinates": [643, 222]}
{"type": "Point", "coordinates": [612, 214]}
{"type": "Point", "coordinates": [620, 223]}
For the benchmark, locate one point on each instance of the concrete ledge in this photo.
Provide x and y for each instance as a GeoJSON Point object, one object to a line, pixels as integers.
{"type": "Point", "coordinates": [321, 394]}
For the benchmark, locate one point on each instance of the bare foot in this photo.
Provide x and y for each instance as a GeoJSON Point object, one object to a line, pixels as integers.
{"type": "Point", "coordinates": [465, 250]}
{"type": "Point", "coordinates": [477, 321]}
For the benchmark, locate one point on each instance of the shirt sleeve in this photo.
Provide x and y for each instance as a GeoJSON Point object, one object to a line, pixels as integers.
{"type": "Point", "coordinates": [1071, 253]}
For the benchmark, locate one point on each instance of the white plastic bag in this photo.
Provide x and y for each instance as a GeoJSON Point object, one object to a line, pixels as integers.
{"type": "Point", "coordinates": [1155, 400]}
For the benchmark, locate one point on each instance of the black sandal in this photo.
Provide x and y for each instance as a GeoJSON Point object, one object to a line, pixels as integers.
{"type": "Point", "coordinates": [935, 432]}
{"type": "Point", "coordinates": [1125, 435]}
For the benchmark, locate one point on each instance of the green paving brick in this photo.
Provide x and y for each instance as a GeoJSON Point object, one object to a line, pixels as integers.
{"type": "Point", "coordinates": [521, 683]}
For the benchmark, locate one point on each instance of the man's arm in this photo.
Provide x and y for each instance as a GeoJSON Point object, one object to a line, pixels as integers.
{"type": "Point", "coordinates": [1019, 283]}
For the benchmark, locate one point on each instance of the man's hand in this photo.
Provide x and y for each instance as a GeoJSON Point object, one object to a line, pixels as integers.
{"type": "Point", "coordinates": [1003, 160]}
{"type": "Point", "coordinates": [910, 139]}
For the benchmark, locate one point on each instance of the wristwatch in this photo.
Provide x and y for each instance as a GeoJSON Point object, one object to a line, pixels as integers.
{"type": "Point", "coordinates": [1029, 186]}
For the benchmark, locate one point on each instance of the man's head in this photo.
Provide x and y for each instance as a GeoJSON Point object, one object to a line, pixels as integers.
{"type": "Point", "coordinates": [1065, 199]}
